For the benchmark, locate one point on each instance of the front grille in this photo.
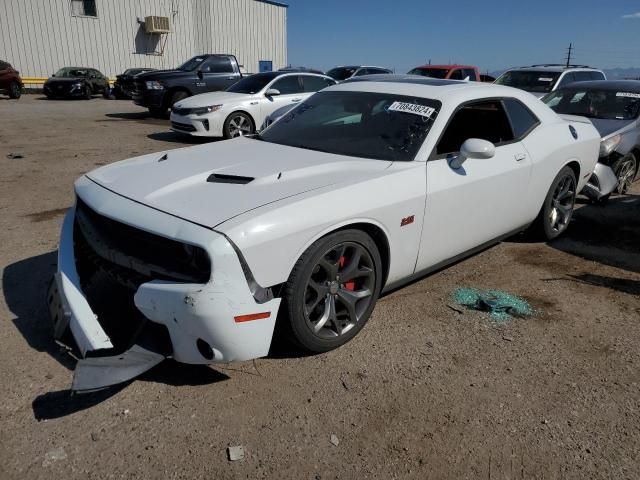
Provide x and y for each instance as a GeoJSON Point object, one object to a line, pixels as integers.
{"type": "Point", "coordinates": [185, 127]}
{"type": "Point", "coordinates": [132, 256]}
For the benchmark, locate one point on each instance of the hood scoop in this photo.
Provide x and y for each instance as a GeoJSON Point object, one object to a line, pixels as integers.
{"type": "Point", "coordinates": [234, 179]}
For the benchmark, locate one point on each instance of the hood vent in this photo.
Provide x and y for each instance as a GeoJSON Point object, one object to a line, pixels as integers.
{"type": "Point", "coordinates": [235, 179]}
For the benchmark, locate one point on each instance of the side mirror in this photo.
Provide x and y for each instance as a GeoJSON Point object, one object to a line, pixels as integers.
{"type": "Point", "coordinates": [473, 148]}
{"type": "Point", "coordinates": [272, 92]}
{"type": "Point", "coordinates": [200, 75]}
{"type": "Point", "coordinates": [53, 74]}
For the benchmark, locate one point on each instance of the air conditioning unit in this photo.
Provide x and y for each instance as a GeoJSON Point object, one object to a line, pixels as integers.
{"type": "Point", "coordinates": [156, 25]}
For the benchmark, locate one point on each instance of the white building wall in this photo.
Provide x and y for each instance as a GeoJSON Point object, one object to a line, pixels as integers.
{"type": "Point", "coordinates": [40, 36]}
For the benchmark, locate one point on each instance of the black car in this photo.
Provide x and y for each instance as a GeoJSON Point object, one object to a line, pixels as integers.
{"type": "Point", "coordinates": [124, 85]}
{"type": "Point", "coordinates": [80, 82]}
{"type": "Point", "coordinates": [159, 90]}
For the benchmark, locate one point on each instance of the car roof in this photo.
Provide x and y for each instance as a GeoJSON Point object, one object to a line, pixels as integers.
{"type": "Point", "coordinates": [447, 66]}
{"type": "Point", "coordinates": [360, 66]}
{"type": "Point", "coordinates": [450, 93]}
{"type": "Point", "coordinates": [617, 85]}
{"type": "Point", "coordinates": [556, 68]}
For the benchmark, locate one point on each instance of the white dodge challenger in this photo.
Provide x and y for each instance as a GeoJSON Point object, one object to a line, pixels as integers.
{"type": "Point", "coordinates": [193, 253]}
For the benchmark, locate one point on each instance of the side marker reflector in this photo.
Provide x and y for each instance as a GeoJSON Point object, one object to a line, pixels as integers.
{"type": "Point", "coordinates": [253, 316]}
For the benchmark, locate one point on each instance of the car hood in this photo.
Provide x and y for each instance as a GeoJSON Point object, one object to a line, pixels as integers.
{"type": "Point", "coordinates": [183, 183]}
{"type": "Point", "coordinates": [212, 98]}
{"type": "Point", "coordinates": [164, 74]}
{"type": "Point", "coordinates": [65, 80]}
{"type": "Point", "coordinates": [608, 127]}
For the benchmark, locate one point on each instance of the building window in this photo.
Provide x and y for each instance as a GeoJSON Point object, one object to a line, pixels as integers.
{"type": "Point", "coordinates": [84, 8]}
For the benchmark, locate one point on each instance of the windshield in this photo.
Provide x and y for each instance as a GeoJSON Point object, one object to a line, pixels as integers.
{"type": "Point", "coordinates": [341, 73]}
{"type": "Point", "coordinates": [252, 84]}
{"type": "Point", "coordinates": [531, 81]}
{"type": "Point", "coordinates": [357, 124]}
{"type": "Point", "coordinates": [71, 72]}
{"type": "Point", "coordinates": [430, 72]}
{"type": "Point", "coordinates": [191, 64]}
{"type": "Point", "coordinates": [604, 104]}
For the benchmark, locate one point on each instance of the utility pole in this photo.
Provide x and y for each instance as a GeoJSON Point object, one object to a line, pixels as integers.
{"type": "Point", "coordinates": [569, 50]}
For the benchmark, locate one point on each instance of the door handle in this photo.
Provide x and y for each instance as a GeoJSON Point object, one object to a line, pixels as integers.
{"type": "Point", "coordinates": [520, 156]}
{"type": "Point", "coordinates": [296, 100]}
{"type": "Point", "coordinates": [231, 78]}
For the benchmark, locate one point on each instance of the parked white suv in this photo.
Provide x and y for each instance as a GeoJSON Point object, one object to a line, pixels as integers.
{"type": "Point", "coordinates": [542, 79]}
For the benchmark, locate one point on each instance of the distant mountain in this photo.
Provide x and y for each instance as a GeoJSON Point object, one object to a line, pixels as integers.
{"type": "Point", "coordinates": [611, 73]}
{"type": "Point", "coordinates": [616, 73]}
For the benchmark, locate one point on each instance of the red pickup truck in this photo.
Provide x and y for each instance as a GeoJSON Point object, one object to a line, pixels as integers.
{"type": "Point", "coordinates": [10, 81]}
{"type": "Point", "coordinates": [449, 72]}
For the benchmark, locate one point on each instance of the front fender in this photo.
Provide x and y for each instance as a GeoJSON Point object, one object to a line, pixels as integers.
{"type": "Point", "coordinates": [273, 237]}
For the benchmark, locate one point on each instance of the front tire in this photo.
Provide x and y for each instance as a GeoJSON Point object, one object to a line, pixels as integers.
{"type": "Point", "coordinates": [332, 290]}
{"type": "Point", "coordinates": [238, 124]}
{"type": "Point", "coordinates": [157, 112]}
{"type": "Point", "coordinates": [625, 169]}
{"type": "Point", "coordinates": [87, 93]}
{"type": "Point", "coordinates": [14, 90]}
{"type": "Point", "coordinates": [557, 209]}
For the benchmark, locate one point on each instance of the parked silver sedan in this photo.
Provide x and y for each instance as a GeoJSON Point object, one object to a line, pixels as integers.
{"type": "Point", "coordinates": [613, 106]}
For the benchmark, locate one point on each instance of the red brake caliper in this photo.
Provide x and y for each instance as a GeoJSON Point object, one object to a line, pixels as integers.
{"type": "Point", "coordinates": [348, 285]}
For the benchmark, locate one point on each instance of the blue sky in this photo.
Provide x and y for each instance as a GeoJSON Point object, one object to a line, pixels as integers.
{"type": "Point", "coordinates": [492, 34]}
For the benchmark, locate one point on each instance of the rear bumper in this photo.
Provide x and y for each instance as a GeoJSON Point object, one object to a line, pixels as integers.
{"type": "Point", "coordinates": [201, 319]}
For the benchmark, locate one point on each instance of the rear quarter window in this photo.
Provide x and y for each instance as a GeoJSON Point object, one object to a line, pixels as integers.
{"type": "Point", "coordinates": [523, 121]}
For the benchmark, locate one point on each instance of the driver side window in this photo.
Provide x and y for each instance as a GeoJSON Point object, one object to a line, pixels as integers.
{"type": "Point", "coordinates": [486, 120]}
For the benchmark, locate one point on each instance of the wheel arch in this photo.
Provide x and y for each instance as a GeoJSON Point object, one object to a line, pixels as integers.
{"type": "Point", "coordinates": [169, 93]}
{"type": "Point", "coordinates": [575, 166]}
{"type": "Point", "coordinates": [253, 120]}
{"type": "Point", "coordinates": [374, 230]}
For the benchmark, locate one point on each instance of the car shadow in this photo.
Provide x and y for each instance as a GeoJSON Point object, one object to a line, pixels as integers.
{"type": "Point", "coordinates": [607, 234]}
{"type": "Point", "coordinates": [142, 115]}
{"type": "Point", "coordinates": [624, 285]}
{"type": "Point", "coordinates": [24, 285]}
{"type": "Point", "coordinates": [174, 137]}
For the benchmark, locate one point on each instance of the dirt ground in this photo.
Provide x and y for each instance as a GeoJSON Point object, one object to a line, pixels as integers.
{"type": "Point", "coordinates": [423, 391]}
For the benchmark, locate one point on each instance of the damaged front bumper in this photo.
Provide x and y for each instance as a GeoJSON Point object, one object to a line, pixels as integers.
{"type": "Point", "coordinates": [206, 322]}
{"type": "Point", "coordinates": [601, 184]}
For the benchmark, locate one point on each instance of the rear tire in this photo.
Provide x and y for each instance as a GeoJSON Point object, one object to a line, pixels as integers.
{"type": "Point", "coordinates": [557, 209]}
{"type": "Point", "coordinates": [15, 91]}
{"type": "Point", "coordinates": [332, 290]}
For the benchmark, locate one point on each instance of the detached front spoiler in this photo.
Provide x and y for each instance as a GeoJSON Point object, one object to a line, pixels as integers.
{"type": "Point", "coordinates": [601, 184]}
{"type": "Point", "coordinates": [69, 309]}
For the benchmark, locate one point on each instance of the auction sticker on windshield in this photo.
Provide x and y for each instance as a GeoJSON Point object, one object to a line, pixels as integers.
{"type": "Point", "coordinates": [414, 108]}
{"type": "Point", "coordinates": [628, 94]}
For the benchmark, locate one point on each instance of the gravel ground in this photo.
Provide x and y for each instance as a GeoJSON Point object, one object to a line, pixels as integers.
{"type": "Point", "coordinates": [424, 391]}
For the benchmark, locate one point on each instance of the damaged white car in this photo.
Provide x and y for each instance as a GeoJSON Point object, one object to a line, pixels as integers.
{"type": "Point", "coordinates": [194, 253]}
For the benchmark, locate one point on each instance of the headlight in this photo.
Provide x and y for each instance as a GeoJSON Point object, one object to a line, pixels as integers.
{"type": "Point", "coordinates": [154, 85]}
{"type": "Point", "coordinates": [205, 110]}
{"type": "Point", "coordinates": [609, 145]}
{"type": "Point", "coordinates": [77, 84]}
